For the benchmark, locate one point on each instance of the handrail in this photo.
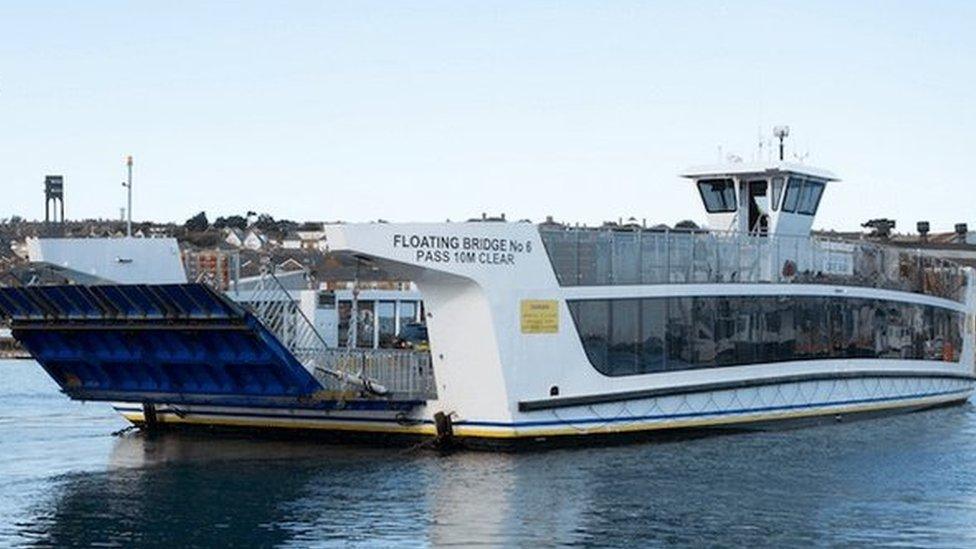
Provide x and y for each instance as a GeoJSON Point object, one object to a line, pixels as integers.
{"type": "Point", "coordinates": [633, 228]}
{"type": "Point", "coordinates": [403, 373]}
{"type": "Point", "coordinates": [374, 372]}
{"type": "Point", "coordinates": [275, 307]}
{"type": "Point", "coordinates": [621, 255]}
{"type": "Point", "coordinates": [308, 322]}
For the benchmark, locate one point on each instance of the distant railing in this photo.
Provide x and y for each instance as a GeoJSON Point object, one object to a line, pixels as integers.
{"type": "Point", "coordinates": [599, 257]}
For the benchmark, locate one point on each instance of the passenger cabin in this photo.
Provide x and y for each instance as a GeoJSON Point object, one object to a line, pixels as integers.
{"type": "Point", "coordinates": [771, 198]}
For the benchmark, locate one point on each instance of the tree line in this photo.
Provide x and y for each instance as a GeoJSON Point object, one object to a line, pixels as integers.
{"type": "Point", "coordinates": [263, 222]}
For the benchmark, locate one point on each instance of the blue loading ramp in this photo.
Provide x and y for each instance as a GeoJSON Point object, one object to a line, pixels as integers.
{"type": "Point", "coordinates": [169, 343]}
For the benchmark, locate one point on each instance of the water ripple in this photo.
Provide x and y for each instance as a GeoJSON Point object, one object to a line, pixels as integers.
{"type": "Point", "coordinates": [901, 481]}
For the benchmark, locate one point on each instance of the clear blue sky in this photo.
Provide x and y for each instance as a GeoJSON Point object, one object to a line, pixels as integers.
{"type": "Point", "coordinates": [426, 111]}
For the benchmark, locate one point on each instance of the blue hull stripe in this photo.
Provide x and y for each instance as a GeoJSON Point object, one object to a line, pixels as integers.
{"type": "Point", "coordinates": [686, 415]}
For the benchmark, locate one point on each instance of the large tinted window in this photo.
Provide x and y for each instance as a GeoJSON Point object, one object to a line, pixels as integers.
{"type": "Point", "coordinates": [654, 317]}
{"type": "Point", "coordinates": [718, 195]}
{"type": "Point", "coordinates": [634, 336]}
{"type": "Point", "coordinates": [623, 348]}
{"type": "Point", "coordinates": [679, 337]}
{"type": "Point", "coordinates": [592, 319]}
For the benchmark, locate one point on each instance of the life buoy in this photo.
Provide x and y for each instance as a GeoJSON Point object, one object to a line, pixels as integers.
{"type": "Point", "coordinates": [789, 268]}
{"type": "Point", "coordinates": [947, 353]}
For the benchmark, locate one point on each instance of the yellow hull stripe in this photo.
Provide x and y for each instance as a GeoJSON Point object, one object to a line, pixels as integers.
{"type": "Point", "coordinates": [328, 424]}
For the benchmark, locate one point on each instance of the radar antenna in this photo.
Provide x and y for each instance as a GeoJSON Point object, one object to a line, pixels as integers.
{"type": "Point", "coordinates": [781, 132]}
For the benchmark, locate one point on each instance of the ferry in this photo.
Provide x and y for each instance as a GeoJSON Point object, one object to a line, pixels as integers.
{"type": "Point", "coordinates": [545, 334]}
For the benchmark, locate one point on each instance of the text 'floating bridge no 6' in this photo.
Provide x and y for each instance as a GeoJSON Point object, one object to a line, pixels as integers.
{"type": "Point", "coordinates": [169, 343]}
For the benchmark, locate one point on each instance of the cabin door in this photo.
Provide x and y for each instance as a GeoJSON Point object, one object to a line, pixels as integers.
{"type": "Point", "coordinates": [758, 208]}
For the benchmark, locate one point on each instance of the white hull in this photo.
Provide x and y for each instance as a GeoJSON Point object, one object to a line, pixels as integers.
{"type": "Point", "coordinates": [501, 376]}
{"type": "Point", "coordinates": [734, 407]}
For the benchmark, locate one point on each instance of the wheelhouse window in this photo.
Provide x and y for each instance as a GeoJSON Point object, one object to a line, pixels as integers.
{"type": "Point", "coordinates": [718, 195]}
{"type": "Point", "coordinates": [803, 196]}
{"type": "Point", "coordinates": [810, 197]}
{"type": "Point", "coordinates": [793, 190]}
{"type": "Point", "coordinates": [777, 192]}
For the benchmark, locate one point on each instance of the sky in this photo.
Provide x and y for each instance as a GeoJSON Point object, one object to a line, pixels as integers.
{"type": "Point", "coordinates": [426, 111]}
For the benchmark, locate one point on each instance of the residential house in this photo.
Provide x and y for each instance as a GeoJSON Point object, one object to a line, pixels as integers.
{"type": "Point", "coordinates": [254, 240]}
{"type": "Point", "coordinates": [234, 236]}
{"type": "Point", "coordinates": [291, 241]}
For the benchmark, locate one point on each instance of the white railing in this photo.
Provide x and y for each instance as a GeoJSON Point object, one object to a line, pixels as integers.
{"type": "Point", "coordinates": [403, 374]}
{"type": "Point", "coordinates": [397, 374]}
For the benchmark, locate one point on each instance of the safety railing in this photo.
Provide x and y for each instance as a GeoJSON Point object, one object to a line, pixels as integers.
{"type": "Point", "coordinates": [403, 374]}
{"type": "Point", "coordinates": [598, 257]}
{"type": "Point", "coordinates": [396, 374]}
{"type": "Point", "coordinates": [281, 313]}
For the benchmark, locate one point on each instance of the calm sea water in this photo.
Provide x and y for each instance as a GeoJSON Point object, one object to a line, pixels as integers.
{"type": "Point", "coordinates": [65, 480]}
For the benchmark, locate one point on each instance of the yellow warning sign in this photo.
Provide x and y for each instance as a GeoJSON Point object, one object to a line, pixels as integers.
{"type": "Point", "coordinates": [540, 316]}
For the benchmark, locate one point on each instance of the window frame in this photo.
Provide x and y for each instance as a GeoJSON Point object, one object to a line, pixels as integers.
{"type": "Point", "coordinates": [794, 188]}
{"type": "Point", "coordinates": [776, 191]}
{"type": "Point", "coordinates": [731, 185]}
{"type": "Point", "coordinates": [801, 185]}
{"type": "Point", "coordinates": [811, 183]}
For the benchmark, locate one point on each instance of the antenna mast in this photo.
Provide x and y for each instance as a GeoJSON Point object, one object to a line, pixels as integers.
{"type": "Point", "coordinates": [759, 150]}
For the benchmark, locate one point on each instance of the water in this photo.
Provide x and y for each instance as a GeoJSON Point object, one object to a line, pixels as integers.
{"type": "Point", "coordinates": [65, 480]}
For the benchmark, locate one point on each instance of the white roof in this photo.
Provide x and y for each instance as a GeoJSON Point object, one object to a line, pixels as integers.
{"type": "Point", "coordinates": [122, 260]}
{"type": "Point", "coordinates": [746, 168]}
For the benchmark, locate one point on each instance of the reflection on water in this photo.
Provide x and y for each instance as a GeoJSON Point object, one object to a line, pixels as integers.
{"type": "Point", "coordinates": [907, 479]}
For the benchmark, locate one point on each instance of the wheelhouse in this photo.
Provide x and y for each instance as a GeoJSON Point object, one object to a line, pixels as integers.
{"type": "Point", "coordinates": [778, 198]}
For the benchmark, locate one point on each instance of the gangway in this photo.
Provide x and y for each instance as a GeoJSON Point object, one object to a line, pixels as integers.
{"type": "Point", "coordinates": [183, 344]}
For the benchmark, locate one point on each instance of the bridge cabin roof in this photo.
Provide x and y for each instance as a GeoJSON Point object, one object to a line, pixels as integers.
{"type": "Point", "coordinates": [756, 168]}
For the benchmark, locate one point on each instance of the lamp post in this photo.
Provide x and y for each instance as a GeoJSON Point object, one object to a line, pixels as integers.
{"type": "Point", "coordinates": [128, 185]}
